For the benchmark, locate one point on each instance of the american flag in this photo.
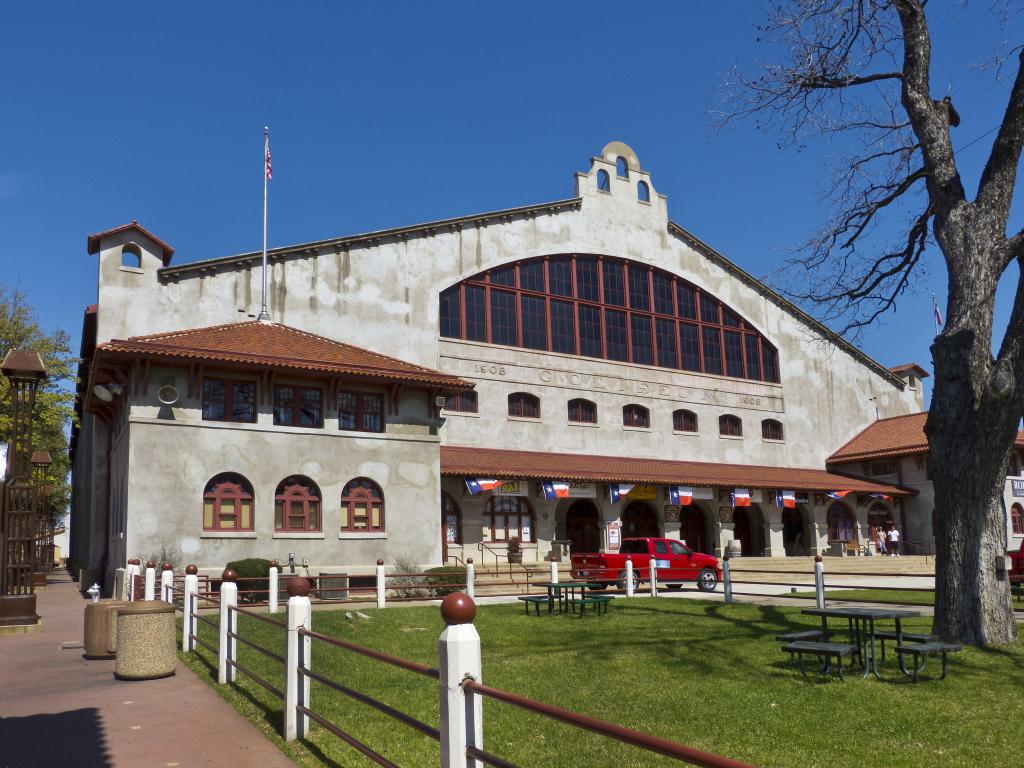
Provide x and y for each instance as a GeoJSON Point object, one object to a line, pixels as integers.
{"type": "Point", "coordinates": [270, 175]}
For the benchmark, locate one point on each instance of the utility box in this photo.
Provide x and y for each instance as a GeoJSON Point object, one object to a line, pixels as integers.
{"type": "Point", "coordinates": [332, 586]}
{"type": "Point", "coordinates": [100, 641]}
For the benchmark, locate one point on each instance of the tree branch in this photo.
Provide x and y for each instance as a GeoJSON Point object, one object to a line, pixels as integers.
{"type": "Point", "coordinates": [818, 81]}
{"type": "Point", "coordinates": [997, 180]}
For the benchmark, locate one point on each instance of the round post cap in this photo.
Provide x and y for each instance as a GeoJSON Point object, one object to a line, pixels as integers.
{"type": "Point", "coordinates": [469, 561]}
{"type": "Point", "coordinates": [150, 564]}
{"type": "Point", "coordinates": [817, 558]}
{"type": "Point", "coordinates": [274, 564]}
{"type": "Point", "coordinates": [191, 570]}
{"type": "Point", "coordinates": [298, 586]}
{"type": "Point", "coordinates": [166, 566]}
{"type": "Point", "coordinates": [726, 556]}
{"type": "Point", "coordinates": [380, 562]}
{"type": "Point", "coordinates": [458, 608]}
{"type": "Point", "coordinates": [229, 575]}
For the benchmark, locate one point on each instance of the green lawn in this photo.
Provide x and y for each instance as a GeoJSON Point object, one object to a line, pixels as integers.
{"type": "Point", "coordinates": [705, 674]}
{"type": "Point", "coordinates": [898, 596]}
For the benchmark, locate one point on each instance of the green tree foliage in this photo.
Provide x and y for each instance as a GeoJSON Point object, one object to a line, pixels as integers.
{"type": "Point", "coordinates": [54, 411]}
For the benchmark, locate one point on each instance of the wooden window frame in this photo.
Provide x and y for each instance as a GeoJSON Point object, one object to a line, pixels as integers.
{"type": "Point", "coordinates": [297, 405]}
{"type": "Point", "coordinates": [491, 515]}
{"type": "Point", "coordinates": [229, 399]}
{"type": "Point", "coordinates": [630, 414]}
{"type": "Point", "coordinates": [450, 507]}
{"type": "Point", "coordinates": [228, 486]}
{"type": "Point", "coordinates": [517, 401]}
{"type": "Point", "coordinates": [287, 495]}
{"type": "Point", "coordinates": [360, 411]}
{"type": "Point", "coordinates": [462, 402]}
{"type": "Point", "coordinates": [579, 403]}
{"type": "Point", "coordinates": [351, 497]}
{"type": "Point", "coordinates": [1017, 518]}
{"type": "Point", "coordinates": [732, 421]}
{"type": "Point", "coordinates": [767, 425]}
{"type": "Point", "coordinates": [679, 418]}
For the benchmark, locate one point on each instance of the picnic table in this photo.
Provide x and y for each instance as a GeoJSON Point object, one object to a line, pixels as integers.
{"type": "Point", "coordinates": [565, 593]}
{"type": "Point", "coordinates": [861, 626]}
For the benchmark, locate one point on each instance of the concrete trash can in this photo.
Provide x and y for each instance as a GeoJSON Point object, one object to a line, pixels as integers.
{"type": "Point", "coordinates": [145, 641]}
{"type": "Point", "coordinates": [100, 641]}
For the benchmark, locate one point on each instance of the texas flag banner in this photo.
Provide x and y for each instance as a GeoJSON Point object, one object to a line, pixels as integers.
{"type": "Point", "coordinates": [881, 497]}
{"type": "Point", "coordinates": [740, 497]}
{"type": "Point", "coordinates": [475, 486]}
{"type": "Point", "coordinates": [838, 494]}
{"type": "Point", "coordinates": [617, 490]}
{"type": "Point", "coordinates": [555, 489]}
{"type": "Point", "coordinates": [786, 499]}
{"type": "Point", "coordinates": [680, 495]}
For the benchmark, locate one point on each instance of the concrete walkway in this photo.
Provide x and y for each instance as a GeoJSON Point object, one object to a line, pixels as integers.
{"type": "Point", "coordinates": [58, 708]}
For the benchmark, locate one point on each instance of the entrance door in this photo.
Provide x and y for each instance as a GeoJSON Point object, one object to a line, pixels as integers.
{"type": "Point", "coordinates": [581, 527]}
{"type": "Point", "coordinates": [639, 521]}
{"type": "Point", "coordinates": [793, 532]}
{"type": "Point", "coordinates": [693, 531]}
{"type": "Point", "coordinates": [742, 530]}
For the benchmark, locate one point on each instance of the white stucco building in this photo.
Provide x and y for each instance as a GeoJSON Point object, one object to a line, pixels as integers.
{"type": "Point", "coordinates": [589, 340]}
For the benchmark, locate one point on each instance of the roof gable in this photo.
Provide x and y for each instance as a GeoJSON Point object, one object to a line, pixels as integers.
{"type": "Point", "coordinates": [92, 242]}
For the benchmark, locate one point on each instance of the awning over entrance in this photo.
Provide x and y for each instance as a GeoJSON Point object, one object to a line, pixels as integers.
{"type": "Point", "coordinates": [461, 461]}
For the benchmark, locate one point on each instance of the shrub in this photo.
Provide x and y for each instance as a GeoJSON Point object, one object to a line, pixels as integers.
{"type": "Point", "coordinates": [407, 586]}
{"type": "Point", "coordinates": [446, 579]}
{"type": "Point", "coordinates": [249, 570]}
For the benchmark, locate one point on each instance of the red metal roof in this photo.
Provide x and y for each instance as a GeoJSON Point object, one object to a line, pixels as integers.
{"type": "Point", "coordinates": [278, 346]}
{"type": "Point", "coordinates": [536, 465]}
{"type": "Point", "coordinates": [921, 372]}
{"type": "Point", "coordinates": [92, 242]}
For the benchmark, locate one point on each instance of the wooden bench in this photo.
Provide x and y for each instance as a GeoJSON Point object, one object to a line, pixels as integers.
{"type": "Point", "coordinates": [1017, 590]}
{"type": "Point", "coordinates": [599, 602]}
{"type": "Point", "coordinates": [536, 601]}
{"type": "Point", "coordinates": [806, 634]}
{"type": "Point", "coordinates": [821, 650]}
{"type": "Point", "coordinates": [908, 637]}
{"type": "Point", "coordinates": [927, 649]}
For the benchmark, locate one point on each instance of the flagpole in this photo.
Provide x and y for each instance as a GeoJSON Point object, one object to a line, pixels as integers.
{"type": "Point", "coordinates": [935, 315]}
{"type": "Point", "coordinates": [264, 314]}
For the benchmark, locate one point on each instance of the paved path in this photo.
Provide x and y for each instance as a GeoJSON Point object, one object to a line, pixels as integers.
{"type": "Point", "coordinates": [58, 708]}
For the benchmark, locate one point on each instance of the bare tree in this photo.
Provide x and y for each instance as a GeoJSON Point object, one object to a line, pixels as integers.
{"type": "Point", "coordinates": [858, 71]}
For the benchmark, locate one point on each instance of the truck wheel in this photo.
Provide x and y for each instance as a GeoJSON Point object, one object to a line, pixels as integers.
{"type": "Point", "coordinates": [707, 580]}
{"type": "Point", "coordinates": [674, 587]}
{"type": "Point", "coordinates": [621, 583]}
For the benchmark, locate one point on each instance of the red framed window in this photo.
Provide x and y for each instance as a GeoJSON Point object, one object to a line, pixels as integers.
{"type": "Point", "coordinates": [297, 505]}
{"type": "Point", "coordinates": [362, 506]}
{"type": "Point", "coordinates": [603, 307]}
{"type": "Point", "coordinates": [228, 400]}
{"type": "Point", "coordinates": [463, 402]}
{"type": "Point", "coordinates": [228, 503]}
{"type": "Point", "coordinates": [361, 411]}
{"type": "Point", "coordinates": [730, 426]}
{"type": "Point", "coordinates": [771, 429]}
{"type": "Point", "coordinates": [582, 411]}
{"type": "Point", "coordinates": [636, 416]}
{"type": "Point", "coordinates": [524, 405]}
{"type": "Point", "coordinates": [841, 526]}
{"type": "Point", "coordinates": [298, 406]}
{"type": "Point", "coordinates": [509, 516]}
{"type": "Point", "coordinates": [684, 421]}
{"type": "Point", "coordinates": [451, 519]}
{"type": "Point", "coordinates": [1017, 518]}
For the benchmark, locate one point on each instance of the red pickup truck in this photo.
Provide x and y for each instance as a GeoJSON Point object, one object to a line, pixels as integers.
{"type": "Point", "coordinates": [675, 562]}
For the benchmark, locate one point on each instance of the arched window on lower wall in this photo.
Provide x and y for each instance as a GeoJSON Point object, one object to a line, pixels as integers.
{"type": "Point", "coordinates": [841, 526]}
{"type": "Point", "coordinates": [227, 503]}
{"type": "Point", "coordinates": [451, 519]}
{"type": "Point", "coordinates": [509, 516]}
{"type": "Point", "coordinates": [1017, 518]}
{"type": "Point", "coordinates": [297, 505]}
{"type": "Point", "coordinates": [362, 506]}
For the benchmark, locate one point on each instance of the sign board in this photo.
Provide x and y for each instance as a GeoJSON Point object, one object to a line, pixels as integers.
{"type": "Point", "coordinates": [646, 492]}
{"type": "Point", "coordinates": [582, 490]}
{"type": "Point", "coordinates": [725, 514]}
{"type": "Point", "coordinates": [1017, 488]}
{"type": "Point", "coordinates": [614, 535]}
{"type": "Point", "coordinates": [512, 488]}
{"type": "Point", "coordinates": [671, 513]}
{"type": "Point", "coordinates": [706, 494]}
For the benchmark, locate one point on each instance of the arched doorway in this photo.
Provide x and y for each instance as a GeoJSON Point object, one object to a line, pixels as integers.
{"type": "Point", "coordinates": [693, 530]}
{"type": "Point", "coordinates": [842, 529]}
{"type": "Point", "coordinates": [747, 529]}
{"type": "Point", "coordinates": [879, 521]}
{"type": "Point", "coordinates": [451, 524]}
{"type": "Point", "coordinates": [794, 535]}
{"type": "Point", "coordinates": [582, 528]}
{"type": "Point", "coordinates": [639, 520]}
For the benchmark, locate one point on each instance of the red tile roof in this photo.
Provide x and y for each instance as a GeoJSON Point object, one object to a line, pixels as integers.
{"type": "Point", "coordinates": [896, 436]}
{"type": "Point", "coordinates": [92, 242]}
{"type": "Point", "coordinates": [272, 345]}
{"type": "Point", "coordinates": [523, 465]}
{"type": "Point", "coordinates": [921, 372]}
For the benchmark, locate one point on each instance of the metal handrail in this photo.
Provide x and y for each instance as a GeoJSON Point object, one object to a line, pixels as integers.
{"type": "Point", "coordinates": [256, 678]}
{"type": "Point", "coordinates": [269, 654]}
{"type": "Point", "coordinates": [259, 617]}
{"type": "Point", "coordinates": [484, 547]}
{"type": "Point", "coordinates": [348, 739]}
{"type": "Point", "coordinates": [411, 666]}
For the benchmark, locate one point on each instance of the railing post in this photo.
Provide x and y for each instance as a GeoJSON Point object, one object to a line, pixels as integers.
{"type": "Point", "coordinates": [228, 623]}
{"type": "Point", "coordinates": [470, 578]}
{"type": "Point", "coordinates": [553, 569]}
{"type": "Point", "coordinates": [189, 608]}
{"type": "Point", "coordinates": [727, 578]}
{"type": "Point", "coordinates": [150, 585]}
{"type": "Point", "coordinates": [298, 614]}
{"type": "Point", "coordinates": [654, 577]}
{"type": "Point", "coordinates": [629, 577]}
{"type": "Point", "coordinates": [167, 582]}
{"type": "Point", "coordinates": [131, 574]}
{"type": "Point", "coordinates": [819, 581]}
{"type": "Point", "coordinates": [380, 584]}
{"type": "Point", "coordinates": [272, 587]}
{"type": "Point", "coordinates": [462, 713]}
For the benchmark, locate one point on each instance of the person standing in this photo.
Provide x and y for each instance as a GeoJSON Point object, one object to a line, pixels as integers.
{"type": "Point", "coordinates": [893, 543]}
{"type": "Point", "coordinates": [880, 536]}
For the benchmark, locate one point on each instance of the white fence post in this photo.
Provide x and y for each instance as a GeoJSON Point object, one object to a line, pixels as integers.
{"type": "Point", "coordinates": [131, 574]}
{"type": "Point", "coordinates": [228, 623]}
{"type": "Point", "coordinates": [298, 614]}
{"type": "Point", "coordinates": [167, 582]}
{"type": "Point", "coordinates": [553, 569]}
{"type": "Point", "coordinates": [819, 581]}
{"type": "Point", "coordinates": [462, 723]}
{"type": "Point", "coordinates": [189, 606]}
{"type": "Point", "coordinates": [654, 577]}
{"type": "Point", "coordinates": [380, 584]}
{"type": "Point", "coordinates": [727, 578]}
{"type": "Point", "coordinates": [150, 585]}
{"type": "Point", "coordinates": [470, 578]}
{"type": "Point", "coordinates": [629, 577]}
{"type": "Point", "coordinates": [272, 587]}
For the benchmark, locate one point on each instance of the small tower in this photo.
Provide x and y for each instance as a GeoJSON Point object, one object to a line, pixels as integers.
{"type": "Point", "coordinates": [619, 187]}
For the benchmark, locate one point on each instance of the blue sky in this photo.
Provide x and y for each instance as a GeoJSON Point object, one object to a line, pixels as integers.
{"type": "Point", "coordinates": [391, 113]}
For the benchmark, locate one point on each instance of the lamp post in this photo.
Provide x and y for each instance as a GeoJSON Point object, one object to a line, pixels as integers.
{"type": "Point", "coordinates": [23, 369]}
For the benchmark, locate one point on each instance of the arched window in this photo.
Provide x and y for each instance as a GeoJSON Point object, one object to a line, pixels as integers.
{"type": "Point", "coordinates": [603, 182]}
{"type": "Point", "coordinates": [524, 405]}
{"type": "Point", "coordinates": [771, 429]}
{"type": "Point", "coordinates": [684, 421]}
{"type": "Point", "coordinates": [841, 527]}
{"type": "Point", "coordinates": [730, 426]}
{"type": "Point", "coordinates": [227, 503]}
{"type": "Point", "coordinates": [582, 411]}
{"type": "Point", "coordinates": [507, 517]}
{"type": "Point", "coordinates": [451, 519]}
{"type": "Point", "coordinates": [606, 308]}
{"type": "Point", "coordinates": [463, 402]}
{"type": "Point", "coordinates": [362, 506]}
{"type": "Point", "coordinates": [634, 415]}
{"type": "Point", "coordinates": [621, 169]}
{"type": "Point", "coordinates": [297, 505]}
{"type": "Point", "coordinates": [1017, 518]}
{"type": "Point", "coordinates": [131, 256]}
{"type": "Point", "coordinates": [643, 192]}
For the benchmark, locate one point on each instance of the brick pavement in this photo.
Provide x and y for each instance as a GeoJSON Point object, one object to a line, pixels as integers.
{"type": "Point", "coordinates": [58, 708]}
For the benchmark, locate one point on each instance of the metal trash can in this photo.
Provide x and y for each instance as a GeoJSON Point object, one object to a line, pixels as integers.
{"type": "Point", "coordinates": [100, 641]}
{"type": "Point", "coordinates": [145, 641]}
